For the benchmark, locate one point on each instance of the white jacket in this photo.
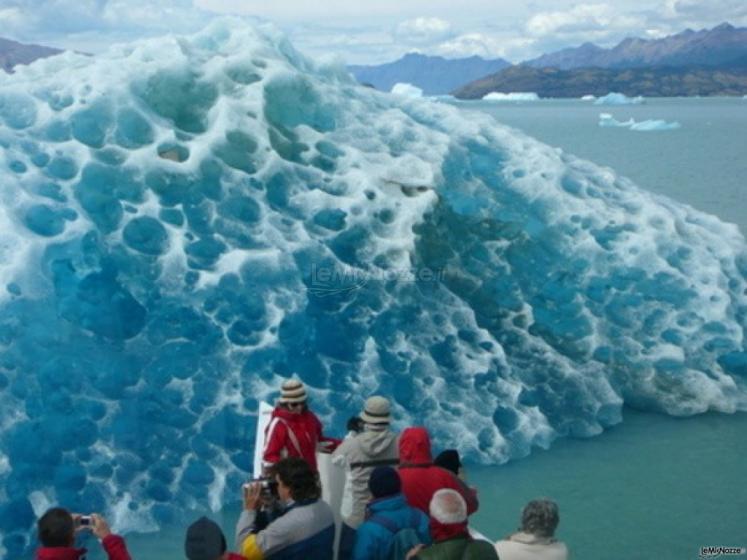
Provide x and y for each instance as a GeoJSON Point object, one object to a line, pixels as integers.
{"type": "Point", "coordinates": [523, 546]}
{"type": "Point", "coordinates": [377, 446]}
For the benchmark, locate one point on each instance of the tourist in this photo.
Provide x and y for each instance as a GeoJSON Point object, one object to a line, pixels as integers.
{"type": "Point", "coordinates": [57, 529]}
{"type": "Point", "coordinates": [392, 527]}
{"type": "Point", "coordinates": [449, 459]}
{"type": "Point", "coordinates": [375, 445]}
{"type": "Point", "coordinates": [421, 478]}
{"type": "Point", "coordinates": [305, 529]}
{"type": "Point", "coordinates": [451, 538]}
{"type": "Point", "coordinates": [535, 538]}
{"type": "Point", "coordinates": [206, 541]}
{"type": "Point", "coordinates": [294, 431]}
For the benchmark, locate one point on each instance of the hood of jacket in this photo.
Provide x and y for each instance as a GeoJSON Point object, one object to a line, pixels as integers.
{"type": "Point", "coordinates": [445, 531]}
{"type": "Point", "coordinates": [415, 447]}
{"type": "Point", "coordinates": [374, 442]}
{"type": "Point", "coordinates": [387, 503]}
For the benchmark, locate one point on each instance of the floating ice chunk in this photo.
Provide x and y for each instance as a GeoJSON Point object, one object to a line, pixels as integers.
{"type": "Point", "coordinates": [655, 124]}
{"type": "Point", "coordinates": [513, 96]}
{"type": "Point", "coordinates": [618, 99]}
{"type": "Point", "coordinates": [408, 90]}
{"type": "Point", "coordinates": [607, 120]}
{"type": "Point", "coordinates": [588, 98]}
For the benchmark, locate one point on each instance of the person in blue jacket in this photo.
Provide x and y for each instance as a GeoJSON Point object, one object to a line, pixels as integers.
{"type": "Point", "coordinates": [391, 524]}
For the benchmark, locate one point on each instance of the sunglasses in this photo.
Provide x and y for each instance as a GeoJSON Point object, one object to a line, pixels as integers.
{"type": "Point", "coordinates": [294, 404]}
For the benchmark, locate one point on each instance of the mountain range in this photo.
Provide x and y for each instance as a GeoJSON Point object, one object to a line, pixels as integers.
{"type": "Point", "coordinates": [12, 53]}
{"type": "Point", "coordinates": [706, 62]}
{"type": "Point", "coordinates": [722, 46]}
{"type": "Point", "coordinates": [433, 74]}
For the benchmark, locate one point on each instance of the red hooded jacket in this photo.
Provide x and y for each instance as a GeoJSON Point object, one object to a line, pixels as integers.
{"type": "Point", "coordinates": [293, 435]}
{"type": "Point", "coordinates": [114, 545]}
{"type": "Point", "coordinates": [420, 478]}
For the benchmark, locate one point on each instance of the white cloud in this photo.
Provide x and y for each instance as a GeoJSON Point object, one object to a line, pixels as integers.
{"type": "Point", "coordinates": [484, 45]}
{"type": "Point", "coordinates": [704, 13]}
{"type": "Point", "coordinates": [582, 18]}
{"type": "Point", "coordinates": [423, 29]}
{"type": "Point", "coordinates": [11, 18]}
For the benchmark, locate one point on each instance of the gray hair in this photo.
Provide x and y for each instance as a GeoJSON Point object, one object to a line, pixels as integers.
{"type": "Point", "coordinates": [540, 517]}
{"type": "Point", "coordinates": [448, 507]}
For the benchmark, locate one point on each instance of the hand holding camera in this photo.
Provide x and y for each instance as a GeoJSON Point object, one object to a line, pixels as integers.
{"type": "Point", "coordinates": [252, 495]}
{"type": "Point", "coordinates": [97, 524]}
{"type": "Point", "coordinates": [260, 493]}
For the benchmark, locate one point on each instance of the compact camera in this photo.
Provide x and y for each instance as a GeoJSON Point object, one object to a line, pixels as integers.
{"type": "Point", "coordinates": [267, 484]}
{"type": "Point", "coordinates": [85, 521]}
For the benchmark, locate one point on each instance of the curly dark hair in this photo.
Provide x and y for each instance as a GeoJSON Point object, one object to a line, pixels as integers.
{"type": "Point", "coordinates": [298, 475]}
{"type": "Point", "coordinates": [540, 517]}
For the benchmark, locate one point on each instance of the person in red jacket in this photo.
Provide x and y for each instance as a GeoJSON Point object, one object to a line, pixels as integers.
{"type": "Point", "coordinates": [421, 478]}
{"type": "Point", "coordinates": [206, 541]}
{"type": "Point", "coordinates": [294, 431]}
{"type": "Point", "coordinates": [57, 528]}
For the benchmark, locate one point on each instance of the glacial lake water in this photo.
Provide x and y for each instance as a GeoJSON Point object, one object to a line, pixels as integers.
{"type": "Point", "coordinates": [653, 487]}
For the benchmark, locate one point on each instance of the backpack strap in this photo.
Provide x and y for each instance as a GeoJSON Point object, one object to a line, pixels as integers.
{"type": "Point", "coordinates": [373, 463]}
{"type": "Point", "coordinates": [388, 524]}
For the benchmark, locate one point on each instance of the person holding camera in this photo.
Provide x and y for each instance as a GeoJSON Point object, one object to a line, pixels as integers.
{"type": "Point", "coordinates": [294, 431]}
{"type": "Point", "coordinates": [305, 527]}
{"type": "Point", "coordinates": [57, 529]}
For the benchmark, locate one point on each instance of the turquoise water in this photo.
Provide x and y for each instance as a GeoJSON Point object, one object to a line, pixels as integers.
{"type": "Point", "coordinates": [702, 163]}
{"type": "Point", "coordinates": [652, 487]}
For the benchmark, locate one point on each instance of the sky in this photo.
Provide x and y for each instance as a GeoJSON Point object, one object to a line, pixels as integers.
{"type": "Point", "coordinates": [373, 31]}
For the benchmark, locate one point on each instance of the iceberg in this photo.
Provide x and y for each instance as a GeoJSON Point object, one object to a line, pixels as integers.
{"type": "Point", "coordinates": [607, 120]}
{"type": "Point", "coordinates": [655, 125]}
{"type": "Point", "coordinates": [516, 96]}
{"type": "Point", "coordinates": [618, 99]}
{"type": "Point", "coordinates": [588, 98]}
{"type": "Point", "coordinates": [407, 90]}
{"type": "Point", "coordinates": [186, 221]}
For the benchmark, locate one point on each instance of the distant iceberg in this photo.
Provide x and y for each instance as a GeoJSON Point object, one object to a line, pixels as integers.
{"type": "Point", "coordinates": [408, 90]}
{"type": "Point", "coordinates": [514, 96]}
{"type": "Point", "coordinates": [655, 124]}
{"type": "Point", "coordinates": [607, 120]}
{"type": "Point", "coordinates": [588, 98]}
{"type": "Point", "coordinates": [618, 99]}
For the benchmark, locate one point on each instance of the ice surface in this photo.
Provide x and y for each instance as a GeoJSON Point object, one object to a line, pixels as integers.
{"type": "Point", "coordinates": [186, 221]}
{"type": "Point", "coordinates": [514, 96]}
{"type": "Point", "coordinates": [613, 98]}
{"type": "Point", "coordinates": [408, 90]}
{"type": "Point", "coordinates": [607, 120]}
